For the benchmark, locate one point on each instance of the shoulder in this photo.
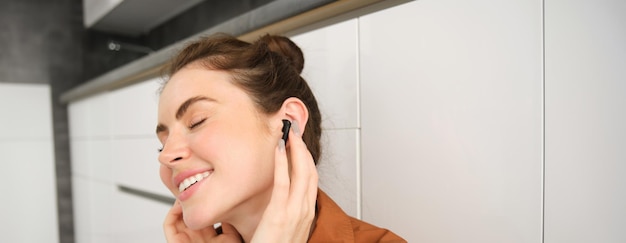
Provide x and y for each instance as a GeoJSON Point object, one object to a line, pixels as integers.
{"type": "Point", "coordinates": [333, 225]}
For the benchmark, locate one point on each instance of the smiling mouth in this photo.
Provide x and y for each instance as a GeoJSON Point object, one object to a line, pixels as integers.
{"type": "Point", "coordinates": [192, 180]}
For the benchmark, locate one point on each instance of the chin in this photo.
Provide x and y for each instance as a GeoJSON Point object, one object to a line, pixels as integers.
{"type": "Point", "coordinates": [196, 221]}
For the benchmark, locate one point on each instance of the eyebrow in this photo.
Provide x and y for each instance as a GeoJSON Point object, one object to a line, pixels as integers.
{"type": "Point", "coordinates": [182, 109]}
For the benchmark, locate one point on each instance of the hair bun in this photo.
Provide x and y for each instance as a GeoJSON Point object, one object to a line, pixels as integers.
{"type": "Point", "coordinates": [285, 47]}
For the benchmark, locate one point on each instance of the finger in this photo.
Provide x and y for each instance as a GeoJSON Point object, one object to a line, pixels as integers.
{"type": "Point", "coordinates": [177, 232]}
{"type": "Point", "coordinates": [312, 185]}
{"type": "Point", "coordinates": [206, 234]}
{"type": "Point", "coordinates": [228, 229]}
{"type": "Point", "coordinates": [313, 177]}
{"type": "Point", "coordinates": [302, 166]}
{"type": "Point", "coordinates": [173, 215]}
{"type": "Point", "coordinates": [303, 191]}
{"type": "Point", "coordinates": [171, 224]}
{"type": "Point", "coordinates": [313, 182]}
{"type": "Point", "coordinates": [280, 192]}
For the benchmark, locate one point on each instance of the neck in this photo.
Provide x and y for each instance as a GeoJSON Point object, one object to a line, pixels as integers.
{"type": "Point", "coordinates": [247, 224]}
{"type": "Point", "coordinates": [249, 214]}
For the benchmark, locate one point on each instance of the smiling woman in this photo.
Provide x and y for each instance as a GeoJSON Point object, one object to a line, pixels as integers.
{"type": "Point", "coordinates": [220, 123]}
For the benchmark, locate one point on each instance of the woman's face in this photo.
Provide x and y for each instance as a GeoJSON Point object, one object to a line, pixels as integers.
{"type": "Point", "coordinates": [218, 151]}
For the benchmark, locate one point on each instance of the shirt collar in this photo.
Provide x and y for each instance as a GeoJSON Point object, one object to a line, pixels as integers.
{"type": "Point", "coordinates": [332, 224]}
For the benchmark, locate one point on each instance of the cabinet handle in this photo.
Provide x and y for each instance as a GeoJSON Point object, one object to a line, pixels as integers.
{"type": "Point", "coordinates": [146, 194]}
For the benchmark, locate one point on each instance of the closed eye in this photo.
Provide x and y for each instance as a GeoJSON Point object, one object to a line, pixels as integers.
{"type": "Point", "coordinates": [195, 124]}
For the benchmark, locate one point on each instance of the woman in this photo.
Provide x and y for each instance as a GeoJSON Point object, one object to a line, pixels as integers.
{"type": "Point", "coordinates": [220, 122]}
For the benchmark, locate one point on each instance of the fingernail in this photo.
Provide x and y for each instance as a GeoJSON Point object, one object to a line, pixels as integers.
{"type": "Point", "coordinates": [296, 127]}
{"type": "Point", "coordinates": [281, 145]}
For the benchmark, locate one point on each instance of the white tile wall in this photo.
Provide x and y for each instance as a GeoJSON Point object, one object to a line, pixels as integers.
{"type": "Point", "coordinates": [29, 200]}
{"type": "Point", "coordinates": [26, 111]}
{"type": "Point", "coordinates": [451, 120]}
{"type": "Point", "coordinates": [26, 146]}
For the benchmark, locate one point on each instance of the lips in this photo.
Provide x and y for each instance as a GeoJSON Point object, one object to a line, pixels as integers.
{"type": "Point", "coordinates": [187, 182]}
{"type": "Point", "coordinates": [187, 178]}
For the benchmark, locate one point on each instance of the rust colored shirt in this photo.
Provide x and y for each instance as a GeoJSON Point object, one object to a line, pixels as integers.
{"type": "Point", "coordinates": [334, 225]}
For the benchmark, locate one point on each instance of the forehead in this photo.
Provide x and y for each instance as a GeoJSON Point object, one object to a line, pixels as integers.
{"type": "Point", "coordinates": [197, 81]}
{"type": "Point", "coordinates": [195, 78]}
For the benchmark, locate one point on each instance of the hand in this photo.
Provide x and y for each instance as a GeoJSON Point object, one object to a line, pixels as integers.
{"type": "Point", "coordinates": [291, 209]}
{"type": "Point", "coordinates": [177, 232]}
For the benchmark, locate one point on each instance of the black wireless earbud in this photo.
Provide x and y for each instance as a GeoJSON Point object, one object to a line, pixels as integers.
{"type": "Point", "coordinates": [286, 127]}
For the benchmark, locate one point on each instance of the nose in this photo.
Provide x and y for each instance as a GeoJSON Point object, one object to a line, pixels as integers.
{"type": "Point", "coordinates": [175, 149]}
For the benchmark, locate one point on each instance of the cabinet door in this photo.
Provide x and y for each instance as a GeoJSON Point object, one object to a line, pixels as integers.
{"type": "Point", "coordinates": [451, 119]}
{"type": "Point", "coordinates": [113, 144]}
{"type": "Point", "coordinates": [585, 116]}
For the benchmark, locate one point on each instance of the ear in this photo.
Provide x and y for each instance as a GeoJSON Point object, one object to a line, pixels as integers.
{"type": "Point", "coordinates": [293, 109]}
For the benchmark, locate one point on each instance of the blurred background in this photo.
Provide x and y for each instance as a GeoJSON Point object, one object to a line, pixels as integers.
{"type": "Point", "coordinates": [444, 121]}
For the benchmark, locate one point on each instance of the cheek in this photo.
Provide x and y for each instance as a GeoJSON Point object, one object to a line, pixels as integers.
{"type": "Point", "coordinates": [255, 162]}
{"type": "Point", "coordinates": [243, 152]}
{"type": "Point", "coordinates": [166, 177]}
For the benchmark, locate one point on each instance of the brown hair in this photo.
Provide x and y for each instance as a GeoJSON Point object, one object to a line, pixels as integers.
{"type": "Point", "coordinates": [267, 69]}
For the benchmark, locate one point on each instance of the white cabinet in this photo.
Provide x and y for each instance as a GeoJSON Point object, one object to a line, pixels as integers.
{"type": "Point", "coordinates": [585, 116]}
{"type": "Point", "coordinates": [81, 206]}
{"type": "Point", "coordinates": [136, 219]}
{"type": "Point", "coordinates": [135, 162]}
{"type": "Point", "coordinates": [134, 109]}
{"type": "Point", "coordinates": [89, 117]}
{"type": "Point", "coordinates": [451, 120]}
{"type": "Point", "coordinates": [113, 144]}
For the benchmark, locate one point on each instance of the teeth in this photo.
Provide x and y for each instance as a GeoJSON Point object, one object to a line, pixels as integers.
{"type": "Point", "coordinates": [192, 180]}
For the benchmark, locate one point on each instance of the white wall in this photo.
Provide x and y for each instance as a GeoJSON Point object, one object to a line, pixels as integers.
{"type": "Point", "coordinates": [585, 116]}
{"type": "Point", "coordinates": [29, 209]}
